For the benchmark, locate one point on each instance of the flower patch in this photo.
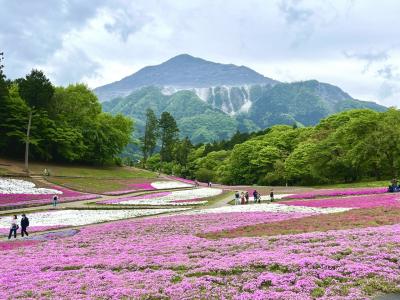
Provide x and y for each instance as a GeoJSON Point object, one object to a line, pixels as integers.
{"type": "Point", "coordinates": [366, 201]}
{"type": "Point", "coordinates": [71, 217]}
{"type": "Point", "coordinates": [337, 193]}
{"type": "Point", "coordinates": [15, 192]}
{"type": "Point", "coordinates": [174, 198]}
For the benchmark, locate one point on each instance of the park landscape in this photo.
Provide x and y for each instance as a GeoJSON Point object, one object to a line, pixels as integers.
{"type": "Point", "coordinates": [161, 237]}
{"type": "Point", "coordinates": [168, 150]}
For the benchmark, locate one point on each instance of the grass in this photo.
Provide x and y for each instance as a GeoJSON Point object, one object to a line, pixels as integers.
{"type": "Point", "coordinates": [93, 172]}
{"type": "Point", "coordinates": [97, 185]}
{"type": "Point", "coordinates": [379, 183]}
{"type": "Point", "coordinates": [71, 170]}
{"type": "Point", "coordinates": [357, 218]}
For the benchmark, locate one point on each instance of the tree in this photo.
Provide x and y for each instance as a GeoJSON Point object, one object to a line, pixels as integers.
{"type": "Point", "coordinates": [149, 139]}
{"type": "Point", "coordinates": [37, 91]}
{"type": "Point", "coordinates": [182, 151]}
{"type": "Point", "coordinates": [169, 135]}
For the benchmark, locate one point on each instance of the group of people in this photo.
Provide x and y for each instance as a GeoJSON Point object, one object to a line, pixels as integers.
{"type": "Point", "coordinates": [15, 226]}
{"type": "Point", "coordinates": [394, 186]}
{"type": "Point", "coordinates": [243, 197]}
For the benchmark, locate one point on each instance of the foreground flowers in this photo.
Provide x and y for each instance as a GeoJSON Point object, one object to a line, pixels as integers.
{"type": "Point", "coordinates": [165, 258]}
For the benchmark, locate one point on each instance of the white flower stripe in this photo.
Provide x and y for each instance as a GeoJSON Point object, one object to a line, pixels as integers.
{"type": "Point", "coordinates": [268, 207]}
{"type": "Point", "coordinates": [84, 217]}
{"type": "Point", "coordinates": [18, 186]}
{"type": "Point", "coordinates": [163, 185]}
{"type": "Point", "coordinates": [170, 199]}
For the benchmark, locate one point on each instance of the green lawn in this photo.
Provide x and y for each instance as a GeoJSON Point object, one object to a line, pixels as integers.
{"type": "Point", "coordinates": [95, 172]}
{"type": "Point", "coordinates": [381, 183]}
{"type": "Point", "coordinates": [98, 185]}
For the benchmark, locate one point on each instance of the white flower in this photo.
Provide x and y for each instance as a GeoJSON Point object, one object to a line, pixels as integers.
{"type": "Point", "coordinates": [163, 185]}
{"type": "Point", "coordinates": [84, 217]}
{"type": "Point", "coordinates": [266, 207]}
{"type": "Point", "coordinates": [17, 186]}
{"type": "Point", "coordinates": [176, 196]}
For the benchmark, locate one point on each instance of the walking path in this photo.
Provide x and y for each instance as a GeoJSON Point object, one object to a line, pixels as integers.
{"type": "Point", "coordinates": [90, 204]}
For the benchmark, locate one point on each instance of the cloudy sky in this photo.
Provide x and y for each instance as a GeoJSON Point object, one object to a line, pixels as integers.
{"type": "Point", "coordinates": [354, 44]}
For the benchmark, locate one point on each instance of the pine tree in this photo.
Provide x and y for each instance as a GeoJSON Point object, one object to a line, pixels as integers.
{"type": "Point", "coordinates": [149, 139]}
{"type": "Point", "coordinates": [169, 135]}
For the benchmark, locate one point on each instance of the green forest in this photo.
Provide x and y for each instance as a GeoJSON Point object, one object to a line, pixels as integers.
{"type": "Point", "coordinates": [346, 147]}
{"type": "Point", "coordinates": [66, 123]}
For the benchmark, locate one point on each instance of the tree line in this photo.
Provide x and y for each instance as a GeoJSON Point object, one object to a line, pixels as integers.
{"type": "Point", "coordinates": [350, 146]}
{"type": "Point", "coordinates": [65, 123]}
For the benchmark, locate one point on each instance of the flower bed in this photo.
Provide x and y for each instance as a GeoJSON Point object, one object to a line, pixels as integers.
{"type": "Point", "coordinates": [18, 186]}
{"type": "Point", "coordinates": [366, 201]}
{"type": "Point", "coordinates": [149, 186]}
{"type": "Point", "coordinates": [21, 192]}
{"type": "Point", "coordinates": [163, 258]}
{"type": "Point", "coordinates": [74, 217]}
{"type": "Point", "coordinates": [10, 245]}
{"type": "Point", "coordinates": [337, 193]}
{"type": "Point", "coordinates": [268, 207]}
{"type": "Point", "coordinates": [164, 185]}
{"type": "Point", "coordinates": [173, 198]}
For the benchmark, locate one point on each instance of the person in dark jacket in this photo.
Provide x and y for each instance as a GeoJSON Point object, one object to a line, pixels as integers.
{"type": "Point", "coordinates": [24, 225]}
{"type": "Point", "coordinates": [271, 196]}
{"type": "Point", "coordinates": [247, 196]}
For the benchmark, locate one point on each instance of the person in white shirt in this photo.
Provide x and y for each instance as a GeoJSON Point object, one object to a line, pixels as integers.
{"type": "Point", "coordinates": [13, 227]}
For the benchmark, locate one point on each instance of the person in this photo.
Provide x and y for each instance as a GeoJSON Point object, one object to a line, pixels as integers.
{"type": "Point", "coordinates": [24, 225]}
{"type": "Point", "coordinates": [55, 200]}
{"type": "Point", "coordinates": [271, 196]}
{"type": "Point", "coordinates": [46, 172]}
{"type": "Point", "coordinates": [209, 184]}
{"type": "Point", "coordinates": [255, 196]}
{"type": "Point", "coordinates": [196, 183]}
{"type": "Point", "coordinates": [258, 197]}
{"type": "Point", "coordinates": [242, 198]}
{"type": "Point", "coordinates": [13, 227]}
{"type": "Point", "coordinates": [237, 198]}
{"type": "Point", "coordinates": [246, 195]}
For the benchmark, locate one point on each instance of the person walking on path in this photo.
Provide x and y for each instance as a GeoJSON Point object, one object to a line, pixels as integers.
{"type": "Point", "coordinates": [24, 225]}
{"type": "Point", "coordinates": [246, 195]}
{"type": "Point", "coordinates": [13, 227]}
{"type": "Point", "coordinates": [271, 196]}
{"type": "Point", "coordinates": [55, 200]}
{"type": "Point", "coordinates": [242, 198]}
{"type": "Point", "coordinates": [237, 198]}
{"type": "Point", "coordinates": [255, 196]}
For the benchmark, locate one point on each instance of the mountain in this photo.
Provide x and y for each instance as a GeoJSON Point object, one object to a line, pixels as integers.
{"type": "Point", "coordinates": [195, 118]}
{"type": "Point", "coordinates": [211, 101]}
{"type": "Point", "coordinates": [183, 72]}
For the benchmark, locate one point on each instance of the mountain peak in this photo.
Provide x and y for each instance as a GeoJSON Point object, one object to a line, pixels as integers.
{"type": "Point", "coordinates": [183, 71]}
